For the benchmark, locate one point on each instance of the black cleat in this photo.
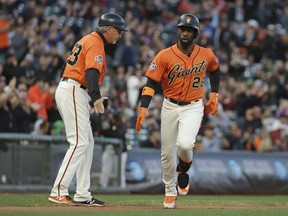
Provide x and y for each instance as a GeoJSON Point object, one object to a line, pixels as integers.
{"type": "Point", "coordinates": [92, 203]}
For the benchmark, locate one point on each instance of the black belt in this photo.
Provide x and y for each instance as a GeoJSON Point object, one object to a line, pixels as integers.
{"type": "Point", "coordinates": [65, 79]}
{"type": "Point", "coordinates": [180, 103]}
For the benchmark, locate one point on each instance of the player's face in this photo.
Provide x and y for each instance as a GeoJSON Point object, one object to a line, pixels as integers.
{"type": "Point", "coordinates": [114, 35]}
{"type": "Point", "coordinates": [186, 35]}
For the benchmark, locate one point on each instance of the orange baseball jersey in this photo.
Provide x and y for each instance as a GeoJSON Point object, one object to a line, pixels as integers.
{"type": "Point", "coordinates": [182, 76]}
{"type": "Point", "coordinates": [87, 53]}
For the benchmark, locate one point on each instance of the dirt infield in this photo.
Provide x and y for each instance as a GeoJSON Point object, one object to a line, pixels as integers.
{"type": "Point", "coordinates": [128, 208]}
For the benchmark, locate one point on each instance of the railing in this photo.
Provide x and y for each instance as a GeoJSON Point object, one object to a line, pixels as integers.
{"type": "Point", "coordinates": [34, 159]}
{"type": "Point", "coordinates": [32, 163]}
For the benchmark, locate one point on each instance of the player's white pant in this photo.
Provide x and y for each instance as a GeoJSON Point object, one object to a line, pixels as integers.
{"type": "Point", "coordinates": [179, 128]}
{"type": "Point", "coordinates": [73, 105]}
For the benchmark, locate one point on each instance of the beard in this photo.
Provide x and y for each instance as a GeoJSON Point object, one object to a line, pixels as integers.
{"type": "Point", "coordinates": [186, 42]}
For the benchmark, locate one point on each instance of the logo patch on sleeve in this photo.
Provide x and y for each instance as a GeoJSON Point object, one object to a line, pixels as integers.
{"type": "Point", "coordinates": [152, 66]}
{"type": "Point", "coordinates": [98, 59]}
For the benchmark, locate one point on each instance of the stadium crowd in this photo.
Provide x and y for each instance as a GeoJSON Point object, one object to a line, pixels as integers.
{"type": "Point", "coordinates": [251, 43]}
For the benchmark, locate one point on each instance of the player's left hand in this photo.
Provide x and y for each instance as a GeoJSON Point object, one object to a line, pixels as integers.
{"type": "Point", "coordinates": [99, 105]}
{"type": "Point", "coordinates": [211, 107]}
{"type": "Point", "coordinates": [140, 119]}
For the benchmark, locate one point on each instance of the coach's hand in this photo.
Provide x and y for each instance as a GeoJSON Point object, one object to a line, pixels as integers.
{"type": "Point", "coordinates": [211, 106]}
{"type": "Point", "coordinates": [141, 117]}
{"type": "Point", "coordinates": [99, 105]}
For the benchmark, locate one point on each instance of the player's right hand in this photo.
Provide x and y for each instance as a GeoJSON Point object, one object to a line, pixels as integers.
{"type": "Point", "coordinates": [99, 105]}
{"type": "Point", "coordinates": [140, 119]}
{"type": "Point", "coordinates": [211, 107]}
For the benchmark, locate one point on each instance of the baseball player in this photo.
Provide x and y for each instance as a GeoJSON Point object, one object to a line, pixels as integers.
{"type": "Point", "coordinates": [181, 69]}
{"type": "Point", "coordinates": [76, 93]}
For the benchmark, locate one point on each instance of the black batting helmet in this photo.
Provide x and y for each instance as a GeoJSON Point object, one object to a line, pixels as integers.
{"type": "Point", "coordinates": [113, 19]}
{"type": "Point", "coordinates": [189, 20]}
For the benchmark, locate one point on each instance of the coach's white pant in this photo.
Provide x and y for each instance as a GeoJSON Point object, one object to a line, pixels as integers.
{"type": "Point", "coordinates": [73, 105]}
{"type": "Point", "coordinates": [179, 128]}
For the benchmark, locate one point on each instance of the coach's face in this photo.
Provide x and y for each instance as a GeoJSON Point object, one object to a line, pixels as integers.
{"type": "Point", "coordinates": [114, 35]}
{"type": "Point", "coordinates": [186, 35]}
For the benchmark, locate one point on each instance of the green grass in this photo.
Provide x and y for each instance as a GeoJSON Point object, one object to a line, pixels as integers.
{"type": "Point", "coordinates": [151, 205]}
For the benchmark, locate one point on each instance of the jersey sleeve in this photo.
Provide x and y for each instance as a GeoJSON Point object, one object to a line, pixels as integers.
{"type": "Point", "coordinates": [213, 64]}
{"type": "Point", "coordinates": [156, 68]}
{"type": "Point", "coordinates": [94, 58]}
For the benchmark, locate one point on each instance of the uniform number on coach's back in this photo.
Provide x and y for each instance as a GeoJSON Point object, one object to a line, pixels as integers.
{"type": "Point", "coordinates": [73, 58]}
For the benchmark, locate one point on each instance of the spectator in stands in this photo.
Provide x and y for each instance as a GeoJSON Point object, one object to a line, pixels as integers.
{"type": "Point", "coordinates": [135, 83]}
{"type": "Point", "coordinates": [221, 119]}
{"type": "Point", "coordinates": [57, 64]}
{"type": "Point", "coordinates": [150, 122]}
{"type": "Point", "coordinates": [210, 140]}
{"type": "Point", "coordinates": [40, 97]}
{"type": "Point", "coordinates": [279, 131]}
{"type": "Point", "coordinates": [277, 125]}
{"type": "Point", "coordinates": [234, 140]}
{"type": "Point", "coordinates": [252, 121]}
{"type": "Point", "coordinates": [261, 142]}
{"type": "Point", "coordinates": [41, 127]}
{"type": "Point", "coordinates": [239, 61]}
{"type": "Point", "coordinates": [153, 140]}
{"type": "Point", "coordinates": [27, 71]}
{"type": "Point", "coordinates": [156, 105]}
{"type": "Point", "coordinates": [5, 28]}
{"type": "Point", "coordinates": [126, 52]}
{"type": "Point", "coordinates": [58, 128]}
{"type": "Point", "coordinates": [23, 115]}
{"type": "Point", "coordinates": [54, 119]}
{"type": "Point", "coordinates": [246, 98]}
{"type": "Point", "coordinates": [236, 12]}
{"type": "Point", "coordinates": [6, 93]}
{"type": "Point", "coordinates": [19, 42]}
{"type": "Point", "coordinates": [46, 69]}
{"type": "Point", "coordinates": [10, 67]}
{"type": "Point", "coordinates": [272, 43]}
{"type": "Point", "coordinates": [119, 83]}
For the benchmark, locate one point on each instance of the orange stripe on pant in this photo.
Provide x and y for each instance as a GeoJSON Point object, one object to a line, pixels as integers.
{"type": "Point", "coordinates": [76, 123]}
